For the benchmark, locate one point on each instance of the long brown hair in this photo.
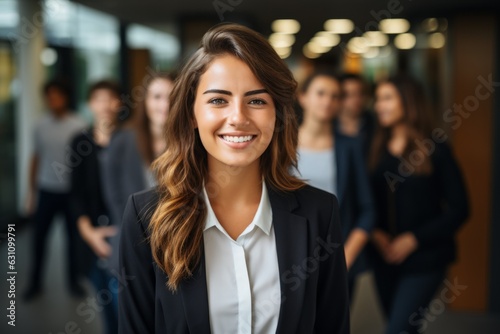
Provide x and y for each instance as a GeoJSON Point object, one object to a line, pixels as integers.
{"type": "Point", "coordinates": [418, 119]}
{"type": "Point", "coordinates": [142, 124]}
{"type": "Point", "coordinates": [177, 223]}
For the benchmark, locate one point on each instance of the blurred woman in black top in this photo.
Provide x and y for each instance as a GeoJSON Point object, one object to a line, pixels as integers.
{"type": "Point", "coordinates": [421, 202]}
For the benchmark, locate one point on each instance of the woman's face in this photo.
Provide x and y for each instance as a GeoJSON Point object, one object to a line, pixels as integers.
{"type": "Point", "coordinates": [321, 100]}
{"type": "Point", "coordinates": [388, 105]}
{"type": "Point", "coordinates": [157, 100]}
{"type": "Point", "coordinates": [233, 112]}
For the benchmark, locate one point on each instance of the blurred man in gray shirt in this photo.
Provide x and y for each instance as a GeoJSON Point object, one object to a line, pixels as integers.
{"type": "Point", "coordinates": [50, 183]}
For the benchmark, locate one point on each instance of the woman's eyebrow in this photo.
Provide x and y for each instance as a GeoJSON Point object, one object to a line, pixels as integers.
{"type": "Point", "coordinates": [218, 91]}
{"type": "Point", "coordinates": [254, 92]}
{"type": "Point", "coordinates": [226, 92]}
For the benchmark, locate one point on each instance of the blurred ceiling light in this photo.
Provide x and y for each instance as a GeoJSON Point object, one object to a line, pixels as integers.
{"type": "Point", "coordinates": [405, 41]}
{"type": "Point", "coordinates": [280, 40]}
{"type": "Point", "coordinates": [308, 53]}
{"type": "Point", "coordinates": [376, 38]}
{"type": "Point", "coordinates": [339, 26]}
{"type": "Point", "coordinates": [324, 38]}
{"type": "Point", "coordinates": [394, 26]}
{"type": "Point", "coordinates": [436, 40]}
{"type": "Point", "coordinates": [358, 45]}
{"type": "Point", "coordinates": [430, 24]}
{"type": "Point", "coordinates": [287, 26]}
{"type": "Point", "coordinates": [371, 53]}
{"type": "Point", "coordinates": [48, 56]}
{"type": "Point", "coordinates": [283, 52]}
{"type": "Point", "coordinates": [315, 47]}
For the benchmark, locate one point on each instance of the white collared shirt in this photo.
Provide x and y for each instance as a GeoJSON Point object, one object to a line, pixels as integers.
{"type": "Point", "coordinates": [242, 275]}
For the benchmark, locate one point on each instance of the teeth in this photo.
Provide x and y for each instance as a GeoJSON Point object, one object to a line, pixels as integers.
{"type": "Point", "coordinates": [235, 139]}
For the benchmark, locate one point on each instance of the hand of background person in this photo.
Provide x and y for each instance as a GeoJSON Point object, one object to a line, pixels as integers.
{"type": "Point", "coordinates": [382, 241]}
{"type": "Point", "coordinates": [401, 247]}
{"type": "Point", "coordinates": [95, 237]}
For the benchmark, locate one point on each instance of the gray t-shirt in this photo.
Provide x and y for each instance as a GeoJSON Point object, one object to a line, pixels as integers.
{"type": "Point", "coordinates": [319, 168]}
{"type": "Point", "coordinates": [52, 146]}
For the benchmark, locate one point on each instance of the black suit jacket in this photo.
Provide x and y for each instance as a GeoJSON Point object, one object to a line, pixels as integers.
{"type": "Point", "coordinates": [310, 258]}
{"type": "Point", "coordinates": [357, 208]}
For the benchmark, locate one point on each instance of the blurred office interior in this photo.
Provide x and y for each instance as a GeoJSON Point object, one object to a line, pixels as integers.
{"type": "Point", "coordinates": [452, 47]}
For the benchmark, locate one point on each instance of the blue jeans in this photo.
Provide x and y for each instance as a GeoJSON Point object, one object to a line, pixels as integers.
{"type": "Point", "coordinates": [405, 297]}
{"type": "Point", "coordinates": [106, 295]}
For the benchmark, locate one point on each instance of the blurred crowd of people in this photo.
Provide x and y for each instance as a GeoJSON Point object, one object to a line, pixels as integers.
{"type": "Point", "coordinates": [401, 193]}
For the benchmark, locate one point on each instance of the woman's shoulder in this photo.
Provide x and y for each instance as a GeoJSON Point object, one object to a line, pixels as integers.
{"type": "Point", "coordinates": [312, 199]}
{"type": "Point", "coordinates": [144, 203]}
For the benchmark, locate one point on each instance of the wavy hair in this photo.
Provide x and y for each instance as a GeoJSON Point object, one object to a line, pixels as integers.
{"type": "Point", "coordinates": [177, 223]}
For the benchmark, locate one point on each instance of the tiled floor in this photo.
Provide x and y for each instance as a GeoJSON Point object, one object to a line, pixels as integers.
{"type": "Point", "coordinates": [55, 312]}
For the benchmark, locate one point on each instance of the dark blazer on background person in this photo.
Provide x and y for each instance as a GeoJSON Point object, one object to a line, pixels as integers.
{"type": "Point", "coordinates": [123, 174]}
{"type": "Point", "coordinates": [357, 207]}
{"type": "Point", "coordinates": [308, 235]}
{"type": "Point", "coordinates": [87, 195]}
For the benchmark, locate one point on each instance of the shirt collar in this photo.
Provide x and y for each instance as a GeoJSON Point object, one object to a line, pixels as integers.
{"type": "Point", "coordinates": [263, 217]}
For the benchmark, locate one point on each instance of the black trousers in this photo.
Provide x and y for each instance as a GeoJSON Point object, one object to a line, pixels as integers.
{"type": "Point", "coordinates": [49, 205]}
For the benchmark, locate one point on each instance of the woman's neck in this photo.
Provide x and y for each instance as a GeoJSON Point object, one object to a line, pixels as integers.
{"type": "Point", "coordinates": [398, 139]}
{"type": "Point", "coordinates": [156, 131]}
{"type": "Point", "coordinates": [399, 131]}
{"type": "Point", "coordinates": [157, 139]}
{"type": "Point", "coordinates": [315, 135]}
{"type": "Point", "coordinates": [228, 186]}
{"type": "Point", "coordinates": [315, 128]}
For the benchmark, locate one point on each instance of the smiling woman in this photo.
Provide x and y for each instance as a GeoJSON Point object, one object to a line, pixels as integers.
{"type": "Point", "coordinates": [230, 240]}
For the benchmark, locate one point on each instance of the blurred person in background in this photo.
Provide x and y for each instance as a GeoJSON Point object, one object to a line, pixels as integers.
{"type": "Point", "coordinates": [131, 151]}
{"type": "Point", "coordinates": [334, 162]}
{"type": "Point", "coordinates": [354, 120]}
{"type": "Point", "coordinates": [90, 189]}
{"type": "Point", "coordinates": [50, 181]}
{"type": "Point", "coordinates": [421, 202]}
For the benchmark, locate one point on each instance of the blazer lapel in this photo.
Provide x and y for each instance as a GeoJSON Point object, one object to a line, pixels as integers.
{"type": "Point", "coordinates": [291, 246]}
{"type": "Point", "coordinates": [195, 299]}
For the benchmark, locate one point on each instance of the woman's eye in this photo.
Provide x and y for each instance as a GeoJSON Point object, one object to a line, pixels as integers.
{"type": "Point", "coordinates": [217, 101]}
{"type": "Point", "coordinates": [258, 102]}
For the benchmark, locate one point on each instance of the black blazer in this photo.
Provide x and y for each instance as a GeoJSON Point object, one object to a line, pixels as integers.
{"type": "Point", "coordinates": [357, 207]}
{"type": "Point", "coordinates": [311, 263]}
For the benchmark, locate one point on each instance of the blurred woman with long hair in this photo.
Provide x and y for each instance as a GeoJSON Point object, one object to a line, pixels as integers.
{"type": "Point", "coordinates": [133, 148]}
{"type": "Point", "coordinates": [152, 114]}
{"type": "Point", "coordinates": [335, 163]}
{"type": "Point", "coordinates": [230, 240]}
{"type": "Point", "coordinates": [421, 202]}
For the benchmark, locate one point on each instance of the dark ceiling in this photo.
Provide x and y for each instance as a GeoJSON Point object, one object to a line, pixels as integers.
{"type": "Point", "coordinates": [260, 13]}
